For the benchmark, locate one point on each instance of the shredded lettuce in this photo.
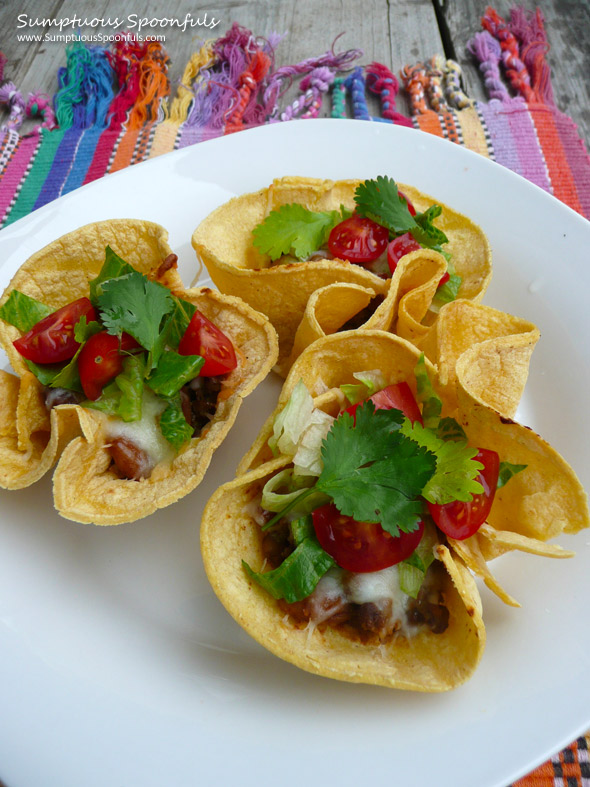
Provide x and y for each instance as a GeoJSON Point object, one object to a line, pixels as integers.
{"type": "Point", "coordinates": [370, 382]}
{"type": "Point", "coordinates": [275, 500]}
{"type": "Point", "coordinates": [173, 371]}
{"type": "Point", "coordinates": [427, 396]}
{"type": "Point", "coordinates": [22, 311]}
{"type": "Point", "coordinates": [413, 570]}
{"type": "Point", "coordinates": [297, 576]}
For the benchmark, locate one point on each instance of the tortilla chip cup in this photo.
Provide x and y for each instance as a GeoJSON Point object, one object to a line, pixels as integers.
{"type": "Point", "coordinates": [86, 486]}
{"type": "Point", "coordinates": [223, 242]}
{"type": "Point", "coordinates": [424, 662]}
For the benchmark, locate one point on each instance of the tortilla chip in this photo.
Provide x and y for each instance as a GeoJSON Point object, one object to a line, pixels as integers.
{"type": "Point", "coordinates": [86, 488]}
{"type": "Point", "coordinates": [425, 662]}
{"type": "Point", "coordinates": [223, 242]}
{"type": "Point", "coordinates": [543, 500]}
{"type": "Point", "coordinates": [406, 304]}
{"type": "Point", "coordinates": [499, 370]}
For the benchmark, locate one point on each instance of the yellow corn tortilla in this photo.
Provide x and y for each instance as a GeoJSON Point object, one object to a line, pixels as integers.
{"type": "Point", "coordinates": [411, 290]}
{"type": "Point", "coordinates": [425, 662]}
{"type": "Point", "coordinates": [223, 242]}
{"type": "Point", "coordinates": [86, 488]}
{"type": "Point", "coordinates": [537, 504]}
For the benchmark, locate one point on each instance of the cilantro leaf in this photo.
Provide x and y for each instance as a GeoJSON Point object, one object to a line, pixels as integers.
{"type": "Point", "coordinates": [23, 311]}
{"type": "Point", "coordinates": [456, 468]}
{"type": "Point", "coordinates": [113, 268]}
{"type": "Point", "coordinates": [293, 229]}
{"type": "Point", "coordinates": [373, 472]}
{"type": "Point", "coordinates": [135, 305]}
{"type": "Point", "coordinates": [178, 320]}
{"type": "Point", "coordinates": [380, 201]}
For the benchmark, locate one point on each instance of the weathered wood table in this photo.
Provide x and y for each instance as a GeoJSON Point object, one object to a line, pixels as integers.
{"type": "Point", "coordinates": [393, 32]}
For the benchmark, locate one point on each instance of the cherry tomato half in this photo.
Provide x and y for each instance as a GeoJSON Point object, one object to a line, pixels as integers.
{"type": "Point", "coordinates": [204, 338]}
{"type": "Point", "coordinates": [101, 360]}
{"type": "Point", "coordinates": [52, 340]}
{"type": "Point", "coordinates": [361, 546]}
{"type": "Point", "coordinates": [461, 520]}
{"type": "Point", "coordinates": [399, 247]}
{"type": "Point", "coordinates": [394, 397]}
{"type": "Point", "coordinates": [358, 240]}
{"type": "Point", "coordinates": [411, 208]}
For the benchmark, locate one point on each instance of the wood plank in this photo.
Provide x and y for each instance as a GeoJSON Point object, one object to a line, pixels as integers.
{"type": "Point", "coordinates": [568, 30]}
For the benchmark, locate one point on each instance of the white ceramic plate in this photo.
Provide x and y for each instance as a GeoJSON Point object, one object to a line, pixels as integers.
{"type": "Point", "coordinates": [119, 666]}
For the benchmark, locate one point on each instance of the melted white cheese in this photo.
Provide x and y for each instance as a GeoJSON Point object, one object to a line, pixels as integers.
{"type": "Point", "coordinates": [145, 433]}
{"type": "Point", "coordinates": [338, 587]}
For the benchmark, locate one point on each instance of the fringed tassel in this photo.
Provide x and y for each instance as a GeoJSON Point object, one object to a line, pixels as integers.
{"type": "Point", "coordinates": [13, 100]}
{"type": "Point", "coordinates": [314, 86]}
{"type": "Point", "coordinates": [234, 55]}
{"type": "Point", "coordinates": [415, 81]}
{"type": "Point", "coordinates": [487, 51]}
{"type": "Point", "coordinates": [529, 28]}
{"type": "Point", "coordinates": [154, 85]}
{"type": "Point", "coordinates": [381, 81]}
{"type": "Point", "coordinates": [452, 86]}
{"type": "Point", "coordinates": [339, 98]}
{"type": "Point", "coordinates": [434, 86]}
{"type": "Point", "coordinates": [39, 105]}
{"type": "Point", "coordinates": [140, 70]}
{"type": "Point", "coordinates": [355, 83]}
{"type": "Point", "coordinates": [85, 90]}
{"type": "Point", "coordinates": [516, 71]}
{"type": "Point", "coordinates": [283, 77]}
{"type": "Point", "coordinates": [243, 113]}
{"type": "Point", "coordinates": [185, 96]}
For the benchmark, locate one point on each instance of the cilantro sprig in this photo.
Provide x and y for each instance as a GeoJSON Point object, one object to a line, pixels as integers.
{"type": "Point", "coordinates": [381, 201]}
{"type": "Point", "coordinates": [293, 229]}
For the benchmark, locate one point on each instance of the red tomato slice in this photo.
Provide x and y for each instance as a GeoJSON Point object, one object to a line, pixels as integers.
{"type": "Point", "coordinates": [461, 520]}
{"type": "Point", "coordinates": [361, 546]}
{"type": "Point", "coordinates": [394, 397]}
{"type": "Point", "coordinates": [399, 247]}
{"type": "Point", "coordinates": [52, 340]}
{"type": "Point", "coordinates": [444, 278]}
{"type": "Point", "coordinates": [204, 338]}
{"type": "Point", "coordinates": [411, 208]}
{"type": "Point", "coordinates": [101, 360]}
{"type": "Point", "coordinates": [358, 240]}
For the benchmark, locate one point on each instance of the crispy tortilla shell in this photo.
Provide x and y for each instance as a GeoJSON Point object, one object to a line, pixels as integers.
{"type": "Point", "coordinates": [425, 662]}
{"type": "Point", "coordinates": [86, 486]}
{"type": "Point", "coordinates": [223, 242]}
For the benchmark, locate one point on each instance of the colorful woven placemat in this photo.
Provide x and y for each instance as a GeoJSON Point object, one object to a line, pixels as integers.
{"type": "Point", "coordinates": [112, 109]}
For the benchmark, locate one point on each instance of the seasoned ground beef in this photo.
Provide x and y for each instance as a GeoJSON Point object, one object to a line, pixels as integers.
{"type": "Point", "coordinates": [199, 401]}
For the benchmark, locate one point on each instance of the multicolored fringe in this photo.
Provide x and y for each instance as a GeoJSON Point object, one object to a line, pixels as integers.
{"type": "Point", "coordinates": [525, 132]}
{"type": "Point", "coordinates": [91, 129]}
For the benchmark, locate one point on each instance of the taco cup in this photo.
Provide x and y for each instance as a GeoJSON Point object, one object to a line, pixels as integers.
{"type": "Point", "coordinates": [311, 479]}
{"type": "Point", "coordinates": [280, 285]}
{"type": "Point", "coordinates": [117, 394]}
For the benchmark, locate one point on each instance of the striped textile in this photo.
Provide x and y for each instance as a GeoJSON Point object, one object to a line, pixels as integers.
{"type": "Point", "coordinates": [230, 84]}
